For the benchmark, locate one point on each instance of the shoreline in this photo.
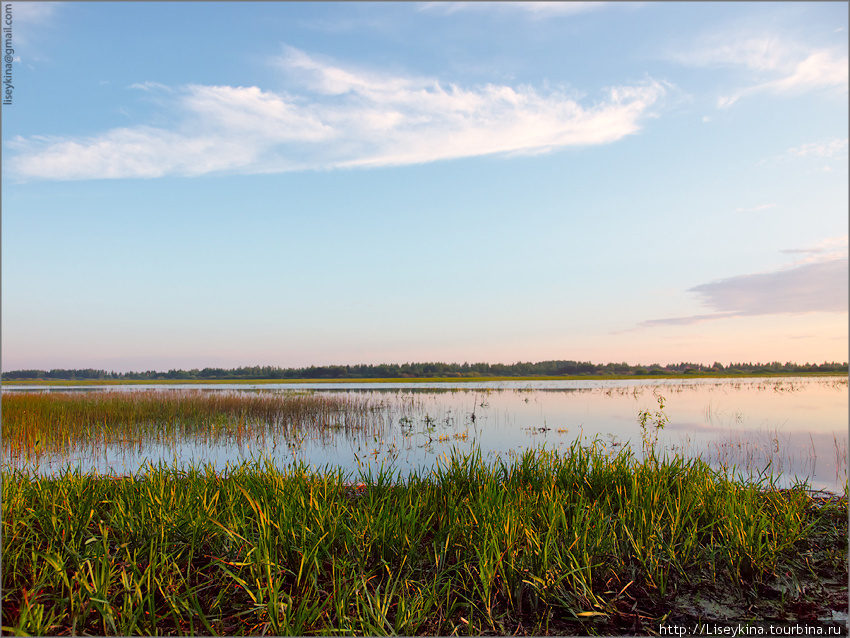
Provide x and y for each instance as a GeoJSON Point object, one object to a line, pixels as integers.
{"type": "Point", "coordinates": [595, 377]}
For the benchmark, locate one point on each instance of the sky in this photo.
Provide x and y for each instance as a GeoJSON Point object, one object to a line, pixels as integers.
{"type": "Point", "coordinates": [224, 184]}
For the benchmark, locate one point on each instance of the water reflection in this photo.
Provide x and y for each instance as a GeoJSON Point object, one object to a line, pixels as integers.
{"type": "Point", "coordinates": [788, 428]}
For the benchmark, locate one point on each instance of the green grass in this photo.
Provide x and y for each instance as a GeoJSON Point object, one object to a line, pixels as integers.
{"type": "Point", "coordinates": [584, 541]}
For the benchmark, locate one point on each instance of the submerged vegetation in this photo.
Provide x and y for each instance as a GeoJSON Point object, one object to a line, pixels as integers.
{"type": "Point", "coordinates": [435, 370]}
{"type": "Point", "coordinates": [542, 543]}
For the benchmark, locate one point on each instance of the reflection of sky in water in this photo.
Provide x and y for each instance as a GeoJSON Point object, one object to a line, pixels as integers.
{"type": "Point", "coordinates": [798, 425]}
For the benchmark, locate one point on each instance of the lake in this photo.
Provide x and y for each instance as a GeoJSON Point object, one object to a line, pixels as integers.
{"type": "Point", "coordinates": [788, 428]}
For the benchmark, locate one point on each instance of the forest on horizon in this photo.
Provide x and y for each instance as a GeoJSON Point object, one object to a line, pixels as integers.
{"type": "Point", "coordinates": [436, 370]}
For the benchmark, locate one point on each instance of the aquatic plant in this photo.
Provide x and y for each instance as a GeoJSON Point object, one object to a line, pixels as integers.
{"type": "Point", "coordinates": [650, 423]}
{"type": "Point", "coordinates": [39, 425]}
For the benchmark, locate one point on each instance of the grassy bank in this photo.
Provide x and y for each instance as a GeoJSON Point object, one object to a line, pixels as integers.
{"type": "Point", "coordinates": [581, 542]}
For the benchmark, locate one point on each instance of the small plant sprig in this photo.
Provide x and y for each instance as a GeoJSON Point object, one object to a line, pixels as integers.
{"type": "Point", "coordinates": [650, 424]}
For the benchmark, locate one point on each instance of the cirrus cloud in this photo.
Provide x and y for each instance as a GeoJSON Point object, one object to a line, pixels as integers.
{"type": "Point", "coordinates": [337, 117]}
{"type": "Point", "coordinates": [791, 67]}
{"type": "Point", "coordinates": [832, 147]}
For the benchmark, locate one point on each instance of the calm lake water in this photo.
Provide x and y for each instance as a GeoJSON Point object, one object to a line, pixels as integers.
{"type": "Point", "coordinates": [789, 428]}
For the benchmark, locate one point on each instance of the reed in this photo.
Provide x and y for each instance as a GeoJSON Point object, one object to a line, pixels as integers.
{"type": "Point", "coordinates": [39, 425]}
{"type": "Point", "coordinates": [583, 541]}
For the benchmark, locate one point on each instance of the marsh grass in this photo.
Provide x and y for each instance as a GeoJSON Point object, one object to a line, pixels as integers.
{"type": "Point", "coordinates": [583, 541]}
{"type": "Point", "coordinates": [42, 425]}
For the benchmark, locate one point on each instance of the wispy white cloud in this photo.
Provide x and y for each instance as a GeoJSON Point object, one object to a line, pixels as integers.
{"type": "Point", "coordinates": [816, 283]}
{"type": "Point", "coordinates": [758, 53]}
{"type": "Point", "coordinates": [833, 147]}
{"type": "Point", "coordinates": [779, 66]}
{"type": "Point", "coordinates": [531, 9]}
{"type": "Point", "coordinates": [149, 86]}
{"type": "Point", "coordinates": [686, 321]}
{"type": "Point", "coordinates": [830, 248]}
{"type": "Point", "coordinates": [341, 117]}
{"type": "Point", "coordinates": [127, 152]}
{"type": "Point", "coordinates": [821, 69]}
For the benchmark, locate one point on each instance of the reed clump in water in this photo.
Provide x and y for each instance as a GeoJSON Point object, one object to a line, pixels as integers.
{"type": "Point", "coordinates": [40, 424]}
{"type": "Point", "coordinates": [578, 542]}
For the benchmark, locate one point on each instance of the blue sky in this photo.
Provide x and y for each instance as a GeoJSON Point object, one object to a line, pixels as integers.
{"type": "Point", "coordinates": [225, 184]}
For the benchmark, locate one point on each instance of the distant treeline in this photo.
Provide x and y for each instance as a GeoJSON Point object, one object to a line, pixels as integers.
{"type": "Point", "coordinates": [429, 370]}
